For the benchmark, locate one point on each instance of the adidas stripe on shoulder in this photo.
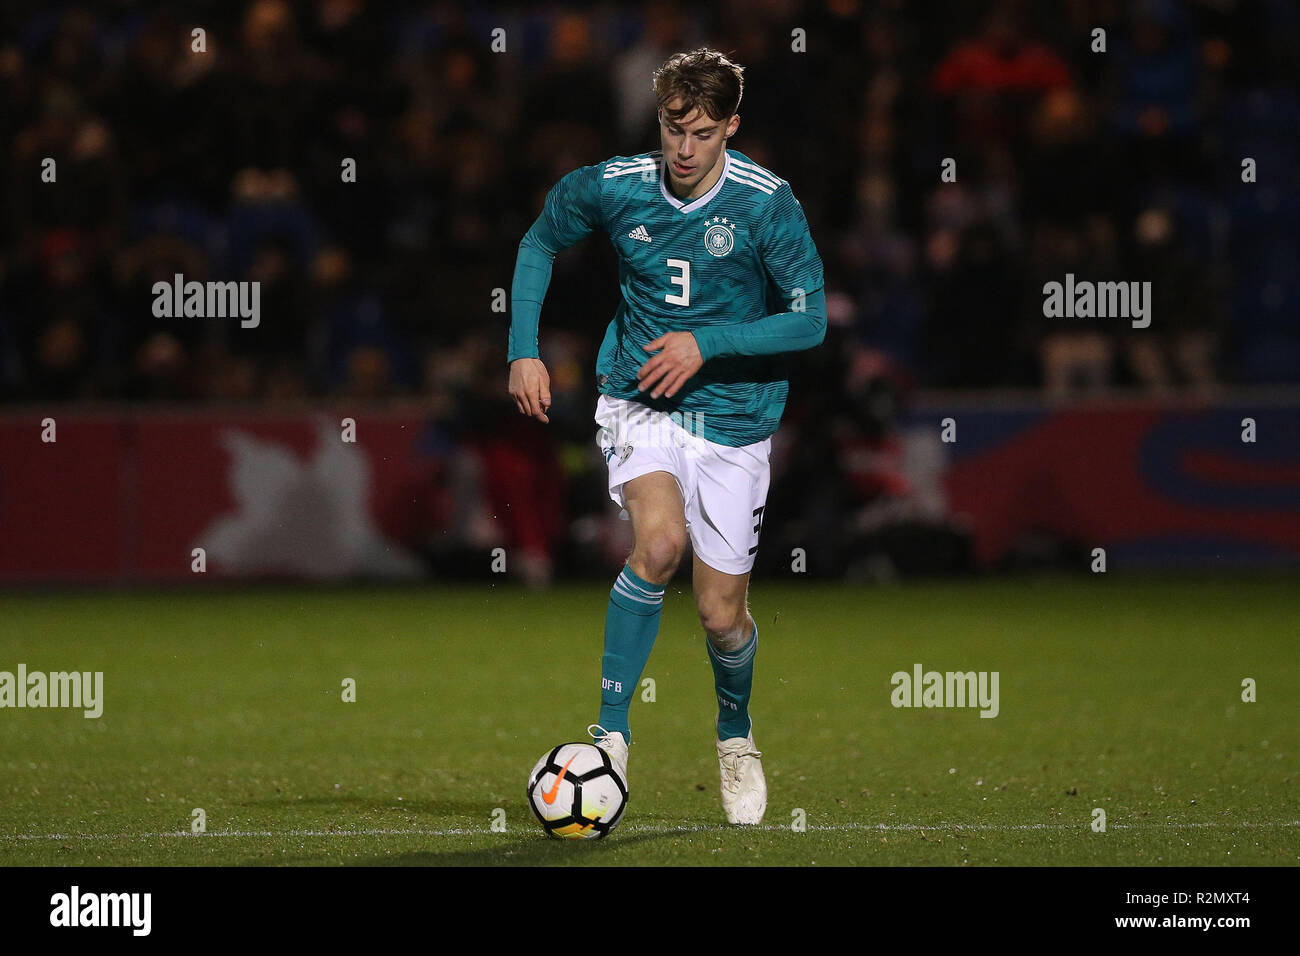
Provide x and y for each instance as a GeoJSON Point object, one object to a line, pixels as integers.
{"type": "Point", "coordinates": [625, 167]}
{"type": "Point", "coordinates": [754, 176]}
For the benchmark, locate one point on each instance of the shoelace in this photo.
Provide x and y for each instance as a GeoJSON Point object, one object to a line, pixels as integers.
{"type": "Point", "coordinates": [731, 771]}
{"type": "Point", "coordinates": [604, 734]}
{"type": "Point", "coordinates": [731, 765]}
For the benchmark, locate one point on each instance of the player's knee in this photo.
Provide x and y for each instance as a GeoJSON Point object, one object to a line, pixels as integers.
{"type": "Point", "coordinates": [658, 554]}
{"type": "Point", "coordinates": [725, 623]}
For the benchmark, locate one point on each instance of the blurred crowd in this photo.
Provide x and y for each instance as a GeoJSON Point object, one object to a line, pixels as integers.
{"type": "Point", "coordinates": [225, 164]}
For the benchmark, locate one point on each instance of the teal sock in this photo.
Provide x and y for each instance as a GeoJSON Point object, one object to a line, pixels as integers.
{"type": "Point", "coordinates": [631, 625]}
{"type": "Point", "coordinates": [733, 676]}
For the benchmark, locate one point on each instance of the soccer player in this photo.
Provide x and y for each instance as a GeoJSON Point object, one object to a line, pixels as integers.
{"type": "Point", "coordinates": [719, 277]}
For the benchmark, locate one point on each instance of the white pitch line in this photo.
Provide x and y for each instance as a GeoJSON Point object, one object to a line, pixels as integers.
{"type": "Point", "coordinates": [718, 828]}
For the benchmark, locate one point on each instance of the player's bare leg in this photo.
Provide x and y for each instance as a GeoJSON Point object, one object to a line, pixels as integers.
{"type": "Point", "coordinates": [654, 503]}
{"type": "Point", "coordinates": [722, 602]}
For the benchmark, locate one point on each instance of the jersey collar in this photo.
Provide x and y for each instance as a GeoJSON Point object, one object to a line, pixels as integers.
{"type": "Point", "coordinates": [698, 201]}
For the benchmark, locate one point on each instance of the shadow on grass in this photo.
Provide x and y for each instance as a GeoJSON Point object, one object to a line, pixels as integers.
{"type": "Point", "coordinates": [364, 809]}
{"type": "Point", "coordinates": [536, 849]}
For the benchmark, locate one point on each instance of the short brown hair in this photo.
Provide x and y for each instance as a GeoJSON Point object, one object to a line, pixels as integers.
{"type": "Point", "coordinates": [703, 78]}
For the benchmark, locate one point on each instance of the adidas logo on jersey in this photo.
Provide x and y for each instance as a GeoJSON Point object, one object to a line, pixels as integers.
{"type": "Point", "coordinates": [640, 234]}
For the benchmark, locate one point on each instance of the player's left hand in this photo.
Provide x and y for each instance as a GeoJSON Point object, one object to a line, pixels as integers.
{"type": "Point", "coordinates": [679, 359]}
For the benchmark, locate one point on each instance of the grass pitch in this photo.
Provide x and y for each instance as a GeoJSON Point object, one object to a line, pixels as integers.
{"type": "Point", "coordinates": [1119, 694]}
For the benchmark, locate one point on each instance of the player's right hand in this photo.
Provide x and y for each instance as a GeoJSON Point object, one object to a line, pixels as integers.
{"type": "Point", "coordinates": [530, 387]}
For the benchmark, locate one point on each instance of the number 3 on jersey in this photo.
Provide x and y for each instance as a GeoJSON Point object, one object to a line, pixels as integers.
{"type": "Point", "coordinates": [683, 279]}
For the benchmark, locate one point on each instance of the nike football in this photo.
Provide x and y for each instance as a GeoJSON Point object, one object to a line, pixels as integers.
{"type": "Point", "coordinates": [576, 793]}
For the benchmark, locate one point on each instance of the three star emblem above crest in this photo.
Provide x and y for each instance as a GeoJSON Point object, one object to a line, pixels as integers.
{"type": "Point", "coordinates": [720, 237]}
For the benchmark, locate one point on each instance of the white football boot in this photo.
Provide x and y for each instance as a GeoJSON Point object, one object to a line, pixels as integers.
{"type": "Point", "coordinates": [744, 789]}
{"type": "Point", "coordinates": [614, 745]}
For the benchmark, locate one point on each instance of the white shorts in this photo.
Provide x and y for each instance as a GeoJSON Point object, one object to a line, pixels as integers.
{"type": "Point", "coordinates": [724, 488]}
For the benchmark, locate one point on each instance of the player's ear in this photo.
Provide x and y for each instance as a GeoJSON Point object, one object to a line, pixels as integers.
{"type": "Point", "coordinates": [732, 125]}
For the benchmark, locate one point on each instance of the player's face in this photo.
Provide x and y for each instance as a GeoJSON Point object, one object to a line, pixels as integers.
{"type": "Point", "coordinates": [693, 148]}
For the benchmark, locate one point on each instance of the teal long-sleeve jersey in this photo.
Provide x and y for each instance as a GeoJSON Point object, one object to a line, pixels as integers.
{"type": "Point", "coordinates": [736, 267]}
